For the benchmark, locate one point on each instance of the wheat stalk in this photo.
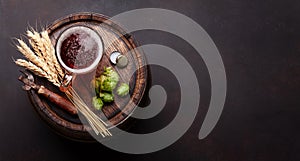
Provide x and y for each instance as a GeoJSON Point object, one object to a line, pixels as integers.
{"type": "Point", "coordinates": [36, 70]}
{"type": "Point", "coordinates": [33, 43]}
{"type": "Point", "coordinates": [43, 47]}
{"type": "Point", "coordinates": [31, 56]}
{"type": "Point", "coordinates": [42, 51]}
{"type": "Point", "coordinates": [51, 53]}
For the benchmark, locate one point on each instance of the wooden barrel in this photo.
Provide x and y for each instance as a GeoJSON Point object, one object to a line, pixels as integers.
{"type": "Point", "coordinates": [119, 111]}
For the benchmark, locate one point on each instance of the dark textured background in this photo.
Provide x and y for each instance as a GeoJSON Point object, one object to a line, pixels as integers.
{"type": "Point", "coordinates": [259, 42]}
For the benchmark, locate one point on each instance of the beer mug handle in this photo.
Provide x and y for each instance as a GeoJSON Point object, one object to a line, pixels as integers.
{"type": "Point", "coordinates": [66, 82]}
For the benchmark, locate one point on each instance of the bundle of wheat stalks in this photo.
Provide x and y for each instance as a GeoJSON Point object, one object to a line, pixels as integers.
{"type": "Point", "coordinates": [41, 60]}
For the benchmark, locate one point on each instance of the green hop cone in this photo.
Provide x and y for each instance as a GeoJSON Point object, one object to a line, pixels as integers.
{"type": "Point", "coordinates": [123, 90]}
{"type": "Point", "coordinates": [109, 80]}
{"type": "Point", "coordinates": [97, 103]}
{"type": "Point", "coordinates": [109, 72]}
{"type": "Point", "coordinates": [107, 84]}
{"type": "Point", "coordinates": [107, 97]}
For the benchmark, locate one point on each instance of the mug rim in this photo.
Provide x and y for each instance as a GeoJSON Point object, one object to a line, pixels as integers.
{"type": "Point", "coordinates": [95, 62]}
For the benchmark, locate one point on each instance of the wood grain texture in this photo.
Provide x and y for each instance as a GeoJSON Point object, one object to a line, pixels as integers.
{"type": "Point", "coordinates": [135, 73]}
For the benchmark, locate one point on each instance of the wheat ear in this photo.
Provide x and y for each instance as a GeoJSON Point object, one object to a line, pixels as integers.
{"type": "Point", "coordinates": [40, 48]}
{"type": "Point", "coordinates": [33, 41]}
{"type": "Point", "coordinates": [29, 54]}
{"type": "Point", "coordinates": [36, 70]}
{"type": "Point", "coordinates": [51, 52]}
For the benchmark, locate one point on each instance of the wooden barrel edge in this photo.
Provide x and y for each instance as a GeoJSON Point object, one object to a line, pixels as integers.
{"type": "Point", "coordinates": [59, 127]}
